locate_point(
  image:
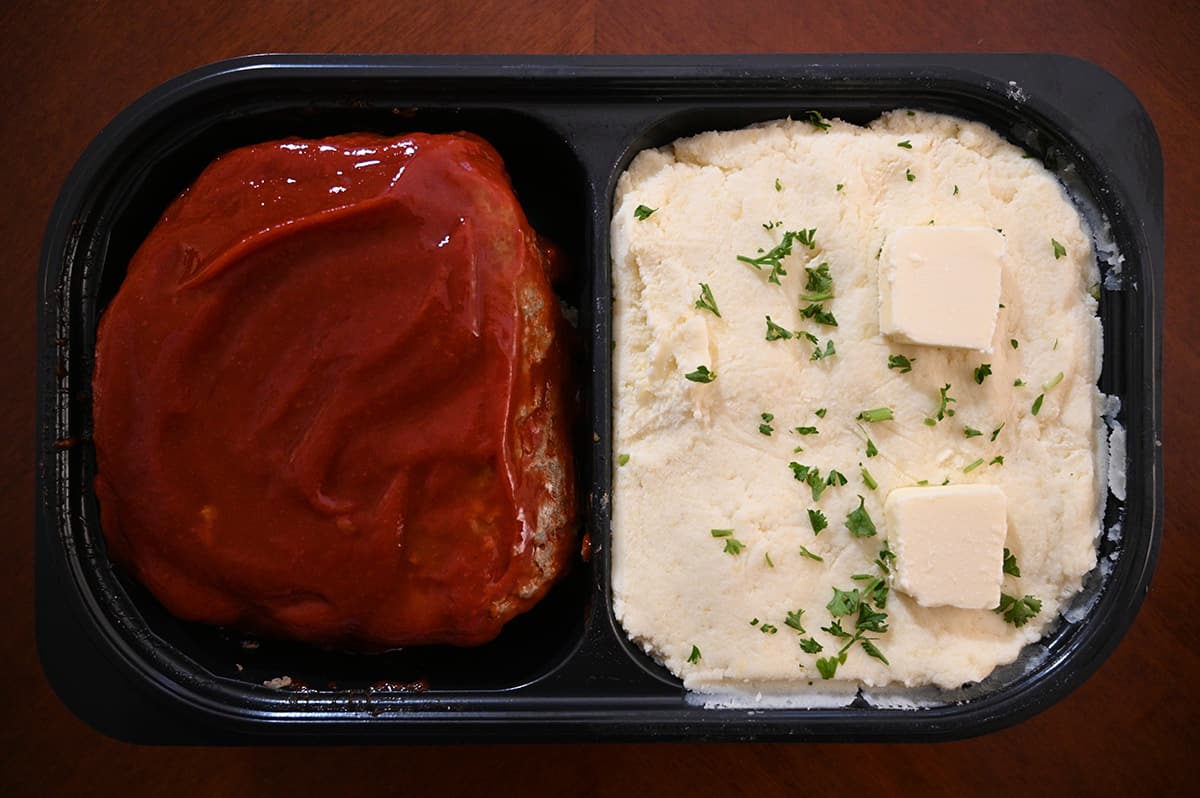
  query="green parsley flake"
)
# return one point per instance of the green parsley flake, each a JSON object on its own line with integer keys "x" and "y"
{"x": 821, "y": 355}
{"x": 875, "y": 415}
{"x": 767, "y": 557}
{"x": 955, "y": 190}
{"x": 768, "y": 629}
{"x": 765, "y": 428}
{"x": 818, "y": 314}
{"x": 643, "y": 212}
{"x": 820, "y": 412}
{"x": 815, "y": 119}
{"x": 1059, "y": 250}
{"x": 868, "y": 480}
{"x": 623, "y": 458}
{"x": 906, "y": 144}
{"x": 734, "y": 546}
{"x": 1037, "y": 404}
{"x": 971, "y": 432}
{"x": 807, "y": 431}
{"x": 701, "y": 374}
{"x": 694, "y": 657}
{"x": 996, "y": 431}
{"x": 827, "y": 667}
{"x": 908, "y": 175}
{"x": 1050, "y": 383}
{"x": 997, "y": 460}
{"x": 706, "y": 301}
{"x": 1018, "y": 383}
{"x": 840, "y": 186}
{"x": 976, "y": 464}
{"x": 1017, "y": 611}
{"x": 793, "y": 621}
{"x": 982, "y": 372}
{"x": 811, "y": 646}
{"x": 778, "y": 185}
{"x": 844, "y": 602}
{"x": 904, "y": 364}
{"x": 774, "y": 258}
{"x": 835, "y": 478}
{"x": 775, "y": 332}
{"x": 1013, "y": 342}
{"x": 1010, "y": 564}
{"x": 859, "y": 521}
{"x": 819, "y": 285}
{"x": 871, "y": 450}
{"x": 805, "y": 552}
{"x": 819, "y": 522}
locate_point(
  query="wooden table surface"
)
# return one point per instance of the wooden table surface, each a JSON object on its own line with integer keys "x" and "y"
{"x": 67, "y": 68}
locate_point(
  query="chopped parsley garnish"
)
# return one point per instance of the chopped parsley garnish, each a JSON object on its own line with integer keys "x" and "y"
{"x": 811, "y": 477}
{"x": 643, "y": 212}
{"x": 793, "y": 621}
{"x": 819, "y": 522}
{"x": 944, "y": 410}
{"x": 819, "y": 285}
{"x": 835, "y": 478}
{"x": 774, "y": 258}
{"x": 859, "y": 521}
{"x": 844, "y": 602}
{"x": 734, "y": 546}
{"x": 1010, "y": 564}
{"x": 1014, "y": 343}
{"x": 815, "y": 119}
{"x": 772, "y": 225}
{"x": 811, "y": 646}
{"x": 1094, "y": 291}
{"x": 1037, "y": 404}
{"x": 982, "y": 372}
{"x": 765, "y": 428}
{"x": 1059, "y": 250}
{"x": 805, "y": 552}
{"x": 820, "y": 412}
{"x": 886, "y": 559}
{"x": 807, "y": 237}
{"x": 868, "y": 480}
{"x": 623, "y": 458}
{"x": 827, "y": 666}
{"x": 906, "y": 144}
{"x": 829, "y": 351}
{"x": 701, "y": 374}
{"x": 1018, "y": 383}
{"x": 996, "y": 431}
{"x": 873, "y": 650}
{"x": 812, "y": 339}
{"x": 807, "y": 431}
{"x": 706, "y": 301}
{"x": 778, "y": 185}
{"x": 971, "y": 432}
{"x": 775, "y": 332}
{"x": 818, "y": 314}
{"x": 997, "y": 460}
{"x": 1018, "y": 611}
{"x": 840, "y": 186}
{"x": 1050, "y": 383}
{"x": 876, "y": 414}
{"x": 694, "y": 657}
{"x": 908, "y": 175}
{"x": 767, "y": 557}
{"x": 871, "y": 450}
{"x": 721, "y": 533}
{"x": 955, "y": 189}
{"x": 976, "y": 464}
{"x": 904, "y": 364}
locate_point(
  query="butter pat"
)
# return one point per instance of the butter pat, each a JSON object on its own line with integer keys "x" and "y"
{"x": 949, "y": 544}
{"x": 940, "y": 286}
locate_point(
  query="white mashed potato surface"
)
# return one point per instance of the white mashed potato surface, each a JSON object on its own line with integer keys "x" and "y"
{"x": 694, "y": 457}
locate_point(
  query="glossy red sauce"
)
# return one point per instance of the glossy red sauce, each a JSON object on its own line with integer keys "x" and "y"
{"x": 329, "y": 397}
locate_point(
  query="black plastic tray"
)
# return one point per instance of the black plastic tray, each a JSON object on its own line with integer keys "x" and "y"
{"x": 567, "y": 127}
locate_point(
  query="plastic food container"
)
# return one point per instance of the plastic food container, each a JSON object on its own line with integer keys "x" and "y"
{"x": 567, "y": 127}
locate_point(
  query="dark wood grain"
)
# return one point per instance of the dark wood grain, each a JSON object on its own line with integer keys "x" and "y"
{"x": 67, "y": 68}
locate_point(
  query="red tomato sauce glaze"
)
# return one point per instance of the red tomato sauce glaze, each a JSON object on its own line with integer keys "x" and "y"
{"x": 331, "y": 397}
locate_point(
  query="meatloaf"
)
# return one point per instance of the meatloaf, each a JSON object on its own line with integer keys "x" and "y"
{"x": 331, "y": 397}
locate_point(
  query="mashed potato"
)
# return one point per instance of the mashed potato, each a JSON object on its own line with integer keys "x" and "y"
{"x": 714, "y": 551}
